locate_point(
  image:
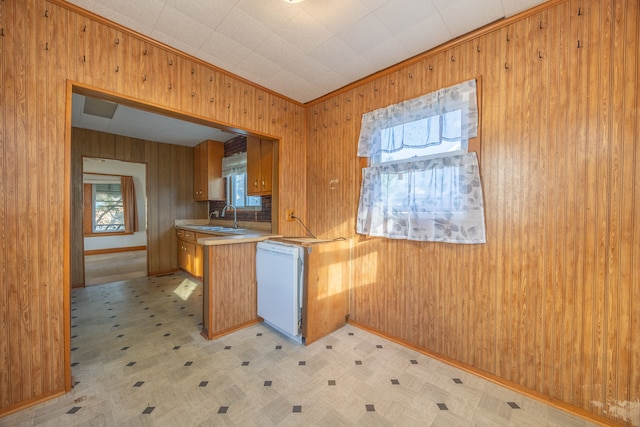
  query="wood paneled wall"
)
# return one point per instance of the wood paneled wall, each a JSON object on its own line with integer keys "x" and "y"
{"x": 169, "y": 193}
{"x": 550, "y": 303}
{"x": 45, "y": 45}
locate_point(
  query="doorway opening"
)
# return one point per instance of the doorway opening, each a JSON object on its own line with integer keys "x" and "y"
{"x": 114, "y": 220}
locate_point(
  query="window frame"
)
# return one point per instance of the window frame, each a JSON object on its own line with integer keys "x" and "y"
{"x": 88, "y": 215}
{"x": 230, "y": 195}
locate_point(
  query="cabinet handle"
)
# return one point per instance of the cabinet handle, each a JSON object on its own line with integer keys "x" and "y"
{"x": 262, "y": 182}
{"x": 255, "y": 183}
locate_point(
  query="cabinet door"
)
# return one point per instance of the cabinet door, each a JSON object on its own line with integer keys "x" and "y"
{"x": 199, "y": 172}
{"x": 253, "y": 166}
{"x": 182, "y": 255}
{"x": 198, "y": 261}
{"x": 215, "y": 182}
{"x": 266, "y": 166}
{"x": 259, "y": 166}
{"x": 190, "y": 253}
{"x": 208, "y": 183}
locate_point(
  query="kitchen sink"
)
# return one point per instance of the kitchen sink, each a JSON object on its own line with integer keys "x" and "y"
{"x": 217, "y": 228}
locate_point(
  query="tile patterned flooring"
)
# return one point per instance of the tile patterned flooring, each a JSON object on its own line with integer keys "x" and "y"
{"x": 139, "y": 360}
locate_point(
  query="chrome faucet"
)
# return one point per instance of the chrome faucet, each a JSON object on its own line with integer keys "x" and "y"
{"x": 235, "y": 217}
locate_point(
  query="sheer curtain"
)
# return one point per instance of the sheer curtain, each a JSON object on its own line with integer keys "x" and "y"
{"x": 234, "y": 165}
{"x": 129, "y": 202}
{"x": 428, "y": 198}
{"x": 420, "y": 122}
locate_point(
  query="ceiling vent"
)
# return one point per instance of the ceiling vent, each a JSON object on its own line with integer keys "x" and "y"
{"x": 100, "y": 108}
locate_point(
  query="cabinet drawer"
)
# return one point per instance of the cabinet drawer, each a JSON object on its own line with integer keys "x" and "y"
{"x": 187, "y": 235}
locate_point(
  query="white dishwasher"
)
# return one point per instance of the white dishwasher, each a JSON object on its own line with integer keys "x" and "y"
{"x": 279, "y": 272}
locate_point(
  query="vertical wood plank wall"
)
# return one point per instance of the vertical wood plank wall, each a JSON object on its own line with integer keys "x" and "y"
{"x": 169, "y": 192}
{"x": 550, "y": 303}
{"x": 44, "y": 45}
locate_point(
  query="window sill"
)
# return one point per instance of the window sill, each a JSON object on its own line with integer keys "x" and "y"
{"x": 109, "y": 234}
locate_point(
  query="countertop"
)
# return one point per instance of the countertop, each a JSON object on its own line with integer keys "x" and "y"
{"x": 223, "y": 235}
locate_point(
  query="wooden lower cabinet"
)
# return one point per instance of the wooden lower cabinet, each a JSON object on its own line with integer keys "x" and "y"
{"x": 327, "y": 281}
{"x": 229, "y": 289}
{"x": 189, "y": 253}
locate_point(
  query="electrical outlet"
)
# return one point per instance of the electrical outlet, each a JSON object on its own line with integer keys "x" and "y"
{"x": 290, "y": 215}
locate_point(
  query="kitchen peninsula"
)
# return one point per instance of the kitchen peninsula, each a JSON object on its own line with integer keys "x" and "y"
{"x": 229, "y": 275}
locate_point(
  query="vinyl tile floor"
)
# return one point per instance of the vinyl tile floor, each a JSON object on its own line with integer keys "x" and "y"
{"x": 139, "y": 360}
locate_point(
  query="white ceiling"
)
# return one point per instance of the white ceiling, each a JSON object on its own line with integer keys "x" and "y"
{"x": 304, "y": 50}
{"x": 144, "y": 125}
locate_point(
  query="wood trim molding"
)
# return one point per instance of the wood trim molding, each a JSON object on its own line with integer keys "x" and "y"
{"x": 115, "y": 250}
{"x": 574, "y": 410}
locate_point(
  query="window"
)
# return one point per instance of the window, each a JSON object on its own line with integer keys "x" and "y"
{"x": 109, "y": 205}
{"x": 237, "y": 193}
{"x": 108, "y": 208}
{"x": 234, "y": 168}
{"x": 421, "y": 184}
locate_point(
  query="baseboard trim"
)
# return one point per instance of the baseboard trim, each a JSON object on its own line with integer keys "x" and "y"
{"x": 12, "y": 409}
{"x": 566, "y": 407}
{"x": 115, "y": 250}
{"x": 211, "y": 336}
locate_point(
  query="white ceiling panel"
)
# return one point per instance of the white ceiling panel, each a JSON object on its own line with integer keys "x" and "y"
{"x": 433, "y": 29}
{"x": 402, "y": 14}
{"x": 360, "y": 37}
{"x": 184, "y": 28}
{"x": 243, "y": 28}
{"x": 336, "y": 15}
{"x": 207, "y": 12}
{"x": 382, "y": 52}
{"x": 334, "y": 51}
{"x": 228, "y": 50}
{"x": 272, "y": 14}
{"x": 304, "y": 32}
{"x": 465, "y": 14}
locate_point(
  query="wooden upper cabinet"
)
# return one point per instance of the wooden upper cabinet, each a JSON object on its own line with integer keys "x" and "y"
{"x": 259, "y": 166}
{"x": 208, "y": 183}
